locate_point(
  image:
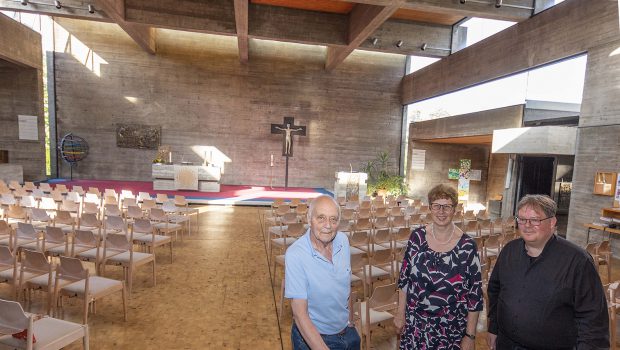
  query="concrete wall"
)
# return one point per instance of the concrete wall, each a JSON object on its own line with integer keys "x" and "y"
{"x": 19, "y": 44}
{"x": 439, "y": 158}
{"x": 21, "y": 93}
{"x": 598, "y": 140}
{"x": 470, "y": 124}
{"x": 200, "y": 94}
{"x": 498, "y": 165}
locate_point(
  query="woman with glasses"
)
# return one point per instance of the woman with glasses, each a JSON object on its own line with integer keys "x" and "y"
{"x": 440, "y": 282}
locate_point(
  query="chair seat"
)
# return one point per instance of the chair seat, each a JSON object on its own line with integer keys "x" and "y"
{"x": 167, "y": 227}
{"x": 277, "y": 230}
{"x": 375, "y": 315}
{"x": 149, "y": 239}
{"x": 380, "y": 246}
{"x": 7, "y": 274}
{"x": 280, "y": 241}
{"x": 99, "y": 286}
{"x": 355, "y": 251}
{"x": 29, "y": 244}
{"x": 90, "y": 254}
{"x": 41, "y": 280}
{"x": 57, "y": 249}
{"x": 138, "y": 258}
{"x": 51, "y": 333}
{"x": 375, "y": 272}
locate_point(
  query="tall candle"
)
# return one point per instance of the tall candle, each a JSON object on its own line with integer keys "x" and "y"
{"x": 169, "y": 157}
{"x": 271, "y": 160}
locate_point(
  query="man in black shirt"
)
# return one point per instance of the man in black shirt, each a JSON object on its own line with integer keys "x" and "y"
{"x": 544, "y": 292}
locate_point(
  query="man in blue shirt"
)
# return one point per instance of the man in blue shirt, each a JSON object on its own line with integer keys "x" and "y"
{"x": 318, "y": 280}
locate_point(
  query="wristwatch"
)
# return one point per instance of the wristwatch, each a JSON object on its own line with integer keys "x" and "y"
{"x": 470, "y": 336}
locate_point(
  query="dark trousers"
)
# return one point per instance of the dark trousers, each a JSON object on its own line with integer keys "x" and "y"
{"x": 348, "y": 339}
{"x": 505, "y": 343}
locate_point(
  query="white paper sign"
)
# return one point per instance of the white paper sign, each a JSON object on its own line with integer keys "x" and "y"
{"x": 28, "y": 129}
{"x": 418, "y": 158}
{"x": 618, "y": 188}
{"x": 475, "y": 175}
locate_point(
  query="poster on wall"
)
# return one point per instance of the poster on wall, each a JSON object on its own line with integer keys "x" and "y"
{"x": 463, "y": 189}
{"x": 617, "y": 198}
{"x": 418, "y": 158}
{"x": 27, "y": 125}
{"x": 453, "y": 174}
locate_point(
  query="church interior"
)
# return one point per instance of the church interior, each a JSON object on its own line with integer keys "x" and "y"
{"x": 215, "y": 123}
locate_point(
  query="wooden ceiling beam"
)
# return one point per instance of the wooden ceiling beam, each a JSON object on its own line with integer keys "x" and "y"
{"x": 241, "y": 22}
{"x": 264, "y": 22}
{"x": 468, "y": 9}
{"x": 364, "y": 19}
{"x": 143, "y": 35}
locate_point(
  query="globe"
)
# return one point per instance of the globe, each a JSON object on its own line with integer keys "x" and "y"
{"x": 73, "y": 148}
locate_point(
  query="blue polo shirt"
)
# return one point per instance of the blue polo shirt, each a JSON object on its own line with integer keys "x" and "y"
{"x": 326, "y": 286}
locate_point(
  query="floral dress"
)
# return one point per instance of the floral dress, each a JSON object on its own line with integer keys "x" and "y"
{"x": 441, "y": 289}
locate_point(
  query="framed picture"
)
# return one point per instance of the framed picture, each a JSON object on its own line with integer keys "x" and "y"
{"x": 138, "y": 136}
{"x": 605, "y": 183}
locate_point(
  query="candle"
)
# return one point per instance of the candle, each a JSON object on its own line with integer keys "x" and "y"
{"x": 169, "y": 157}
{"x": 271, "y": 160}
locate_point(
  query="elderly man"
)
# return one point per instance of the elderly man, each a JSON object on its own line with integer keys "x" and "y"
{"x": 318, "y": 280}
{"x": 544, "y": 292}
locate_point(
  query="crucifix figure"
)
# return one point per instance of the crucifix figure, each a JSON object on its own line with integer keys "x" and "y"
{"x": 288, "y": 129}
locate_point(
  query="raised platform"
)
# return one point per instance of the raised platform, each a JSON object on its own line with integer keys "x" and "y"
{"x": 228, "y": 194}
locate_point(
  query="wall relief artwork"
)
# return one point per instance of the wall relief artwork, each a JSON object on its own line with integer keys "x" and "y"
{"x": 138, "y": 136}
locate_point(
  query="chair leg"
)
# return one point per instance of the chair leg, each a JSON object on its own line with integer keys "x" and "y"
{"x": 154, "y": 278}
{"x": 86, "y": 340}
{"x": 281, "y": 300}
{"x": 124, "y": 302}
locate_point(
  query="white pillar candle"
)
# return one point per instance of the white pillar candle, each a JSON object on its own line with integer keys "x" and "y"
{"x": 271, "y": 160}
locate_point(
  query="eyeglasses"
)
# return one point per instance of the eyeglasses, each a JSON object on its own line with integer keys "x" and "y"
{"x": 333, "y": 220}
{"x": 438, "y": 207}
{"x": 533, "y": 222}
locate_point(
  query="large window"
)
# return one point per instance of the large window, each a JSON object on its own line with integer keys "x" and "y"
{"x": 559, "y": 82}
{"x": 473, "y": 30}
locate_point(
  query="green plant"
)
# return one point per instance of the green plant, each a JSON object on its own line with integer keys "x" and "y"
{"x": 381, "y": 177}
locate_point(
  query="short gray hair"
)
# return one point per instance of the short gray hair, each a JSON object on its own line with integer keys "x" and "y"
{"x": 539, "y": 201}
{"x": 314, "y": 200}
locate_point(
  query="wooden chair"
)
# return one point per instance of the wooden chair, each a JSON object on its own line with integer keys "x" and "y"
{"x": 73, "y": 280}
{"x": 378, "y": 309}
{"x": 118, "y": 251}
{"x": 50, "y": 333}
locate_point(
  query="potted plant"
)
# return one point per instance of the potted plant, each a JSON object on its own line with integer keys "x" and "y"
{"x": 382, "y": 179}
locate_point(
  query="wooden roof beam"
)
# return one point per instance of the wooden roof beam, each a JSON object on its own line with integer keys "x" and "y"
{"x": 363, "y": 21}
{"x": 143, "y": 35}
{"x": 470, "y": 8}
{"x": 241, "y": 21}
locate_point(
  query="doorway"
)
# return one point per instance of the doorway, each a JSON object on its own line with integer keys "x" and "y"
{"x": 536, "y": 175}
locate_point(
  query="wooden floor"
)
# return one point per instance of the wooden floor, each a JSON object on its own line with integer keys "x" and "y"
{"x": 217, "y": 294}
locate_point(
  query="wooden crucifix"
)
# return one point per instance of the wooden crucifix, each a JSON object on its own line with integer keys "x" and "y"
{"x": 288, "y": 129}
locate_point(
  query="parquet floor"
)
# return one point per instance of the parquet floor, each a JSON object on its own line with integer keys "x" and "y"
{"x": 217, "y": 294}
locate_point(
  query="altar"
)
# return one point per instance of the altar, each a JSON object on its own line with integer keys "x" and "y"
{"x": 11, "y": 172}
{"x": 174, "y": 177}
{"x": 350, "y": 184}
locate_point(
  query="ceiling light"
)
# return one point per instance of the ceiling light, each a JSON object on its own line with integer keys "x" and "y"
{"x": 399, "y": 43}
{"x": 91, "y": 9}
{"x": 498, "y": 3}
{"x": 25, "y": 2}
{"x": 374, "y": 41}
{"x": 57, "y": 4}
{"x": 424, "y": 46}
